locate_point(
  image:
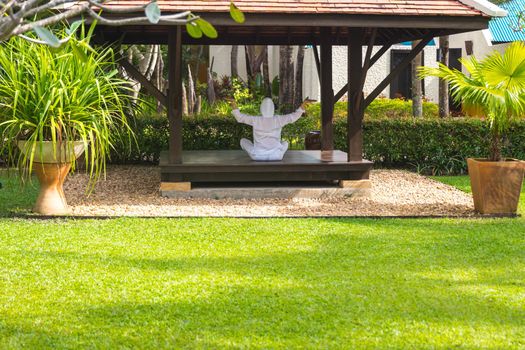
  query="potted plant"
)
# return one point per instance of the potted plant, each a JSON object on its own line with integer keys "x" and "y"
{"x": 496, "y": 86}
{"x": 56, "y": 104}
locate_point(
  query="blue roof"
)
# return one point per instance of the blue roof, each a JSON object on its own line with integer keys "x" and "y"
{"x": 409, "y": 43}
{"x": 503, "y": 28}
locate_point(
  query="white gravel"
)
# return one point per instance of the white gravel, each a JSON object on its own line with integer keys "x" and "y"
{"x": 133, "y": 191}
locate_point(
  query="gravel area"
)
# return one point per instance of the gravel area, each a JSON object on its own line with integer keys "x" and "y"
{"x": 133, "y": 191}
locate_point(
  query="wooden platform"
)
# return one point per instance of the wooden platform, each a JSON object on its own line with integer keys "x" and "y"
{"x": 236, "y": 166}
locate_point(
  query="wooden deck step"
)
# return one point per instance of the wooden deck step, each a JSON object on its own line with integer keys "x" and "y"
{"x": 236, "y": 166}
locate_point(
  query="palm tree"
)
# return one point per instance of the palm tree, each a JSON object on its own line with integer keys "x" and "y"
{"x": 417, "y": 86}
{"x": 495, "y": 84}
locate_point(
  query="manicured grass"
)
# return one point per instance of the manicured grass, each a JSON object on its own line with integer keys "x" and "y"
{"x": 461, "y": 182}
{"x": 13, "y": 196}
{"x": 278, "y": 283}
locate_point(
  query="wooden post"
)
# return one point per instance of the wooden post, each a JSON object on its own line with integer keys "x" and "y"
{"x": 175, "y": 94}
{"x": 327, "y": 93}
{"x": 355, "y": 96}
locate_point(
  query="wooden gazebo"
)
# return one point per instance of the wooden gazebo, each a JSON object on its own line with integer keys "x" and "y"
{"x": 354, "y": 23}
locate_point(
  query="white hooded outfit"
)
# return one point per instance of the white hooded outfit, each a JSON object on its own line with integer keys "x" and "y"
{"x": 267, "y": 145}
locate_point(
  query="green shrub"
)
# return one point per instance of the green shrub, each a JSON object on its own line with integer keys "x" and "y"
{"x": 391, "y": 137}
{"x": 433, "y": 146}
{"x": 381, "y": 108}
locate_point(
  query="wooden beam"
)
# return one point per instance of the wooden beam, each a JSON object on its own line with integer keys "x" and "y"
{"x": 317, "y": 62}
{"x": 148, "y": 85}
{"x": 366, "y": 63}
{"x": 402, "y": 65}
{"x": 341, "y": 93}
{"x": 175, "y": 94}
{"x": 379, "y": 54}
{"x": 327, "y": 92}
{"x": 373, "y": 61}
{"x": 245, "y": 35}
{"x": 355, "y": 97}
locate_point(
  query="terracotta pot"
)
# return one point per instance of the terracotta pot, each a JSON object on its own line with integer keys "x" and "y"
{"x": 44, "y": 151}
{"x": 496, "y": 186}
{"x": 51, "y": 168}
{"x": 51, "y": 199}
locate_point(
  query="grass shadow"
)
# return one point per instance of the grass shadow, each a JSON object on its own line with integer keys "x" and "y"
{"x": 282, "y": 284}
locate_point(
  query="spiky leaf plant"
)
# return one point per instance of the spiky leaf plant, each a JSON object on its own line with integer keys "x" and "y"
{"x": 72, "y": 93}
{"x": 496, "y": 85}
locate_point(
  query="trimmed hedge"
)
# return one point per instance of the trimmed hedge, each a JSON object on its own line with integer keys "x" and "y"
{"x": 381, "y": 108}
{"x": 432, "y": 146}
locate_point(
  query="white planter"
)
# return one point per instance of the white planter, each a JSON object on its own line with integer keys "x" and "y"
{"x": 44, "y": 151}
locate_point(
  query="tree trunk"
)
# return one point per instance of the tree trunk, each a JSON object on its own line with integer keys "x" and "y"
{"x": 266, "y": 74}
{"x": 285, "y": 79}
{"x": 152, "y": 61}
{"x": 198, "y": 105}
{"x": 254, "y": 60}
{"x": 417, "y": 93}
{"x": 191, "y": 92}
{"x": 233, "y": 61}
{"x": 184, "y": 100}
{"x": 444, "y": 109}
{"x": 160, "y": 82}
{"x": 210, "y": 90}
{"x": 198, "y": 62}
{"x": 136, "y": 86}
{"x": 298, "y": 93}
{"x": 149, "y": 60}
{"x": 248, "y": 66}
{"x": 495, "y": 144}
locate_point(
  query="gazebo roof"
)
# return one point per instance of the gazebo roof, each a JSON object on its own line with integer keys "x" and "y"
{"x": 351, "y": 7}
{"x": 299, "y": 22}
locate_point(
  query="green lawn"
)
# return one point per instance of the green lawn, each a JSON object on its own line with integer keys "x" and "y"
{"x": 277, "y": 283}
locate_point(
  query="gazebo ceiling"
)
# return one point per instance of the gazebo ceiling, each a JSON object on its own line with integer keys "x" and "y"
{"x": 274, "y": 22}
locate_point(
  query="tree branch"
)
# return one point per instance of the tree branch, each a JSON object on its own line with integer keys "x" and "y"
{"x": 136, "y": 20}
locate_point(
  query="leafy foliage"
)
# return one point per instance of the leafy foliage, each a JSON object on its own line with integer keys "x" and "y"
{"x": 495, "y": 84}
{"x": 69, "y": 94}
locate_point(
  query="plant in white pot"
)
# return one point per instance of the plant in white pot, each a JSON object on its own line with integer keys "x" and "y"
{"x": 56, "y": 104}
{"x": 496, "y": 86}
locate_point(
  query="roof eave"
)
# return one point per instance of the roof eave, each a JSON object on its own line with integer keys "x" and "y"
{"x": 486, "y": 7}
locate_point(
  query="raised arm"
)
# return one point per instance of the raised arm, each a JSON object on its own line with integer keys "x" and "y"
{"x": 243, "y": 118}
{"x": 290, "y": 118}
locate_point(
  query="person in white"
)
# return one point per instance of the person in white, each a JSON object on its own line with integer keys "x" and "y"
{"x": 267, "y": 144}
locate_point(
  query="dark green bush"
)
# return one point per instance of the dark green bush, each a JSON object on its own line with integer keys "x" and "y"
{"x": 435, "y": 146}
{"x": 381, "y": 108}
{"x": 430, "y": 145}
